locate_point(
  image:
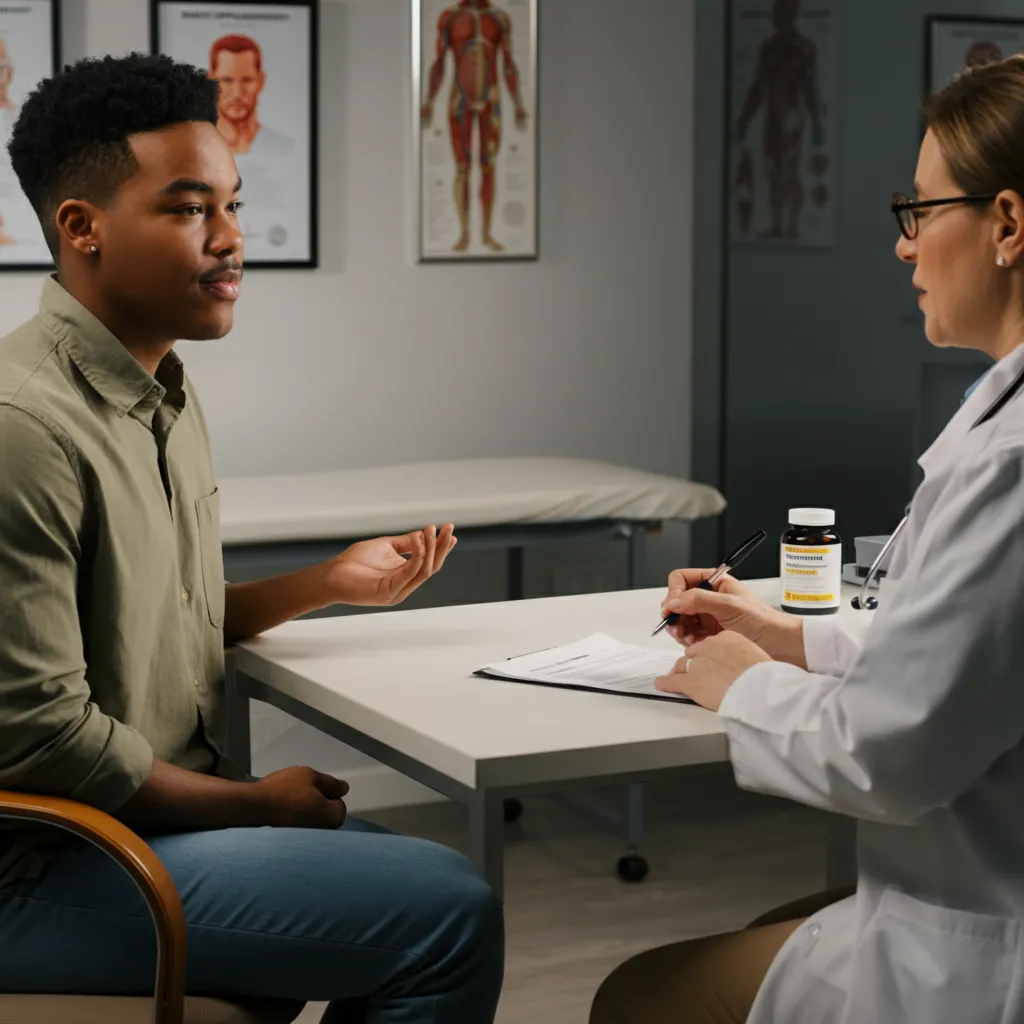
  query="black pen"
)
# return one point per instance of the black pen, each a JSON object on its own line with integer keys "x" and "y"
{"x": 731, "y": 560}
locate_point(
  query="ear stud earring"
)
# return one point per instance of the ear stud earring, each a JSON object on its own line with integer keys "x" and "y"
{"x": 1000, "y": 261}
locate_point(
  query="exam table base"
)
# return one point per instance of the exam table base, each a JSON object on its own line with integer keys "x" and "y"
{"x": 244, "y": 562}
{"x": 486, "y": 807}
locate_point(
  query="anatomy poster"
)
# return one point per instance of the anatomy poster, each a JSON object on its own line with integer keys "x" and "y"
{"x": 263, "y": 56}
{"x": 28, "y": 54}
{"x": 476, "y": 107}
{"x": 959, "y": 43}
{"x": 782, "y": 122}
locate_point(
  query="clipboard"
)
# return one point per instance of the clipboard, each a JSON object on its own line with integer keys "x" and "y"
{"x": 494, "y": 672}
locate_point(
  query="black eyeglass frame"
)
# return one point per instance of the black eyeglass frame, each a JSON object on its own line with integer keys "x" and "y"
{"x": 905, "y": 209}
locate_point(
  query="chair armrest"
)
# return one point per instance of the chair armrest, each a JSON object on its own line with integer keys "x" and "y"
{"x": 145, "y": 869}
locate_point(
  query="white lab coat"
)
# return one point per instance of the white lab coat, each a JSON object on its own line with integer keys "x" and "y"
{"x": 912, "y": 722}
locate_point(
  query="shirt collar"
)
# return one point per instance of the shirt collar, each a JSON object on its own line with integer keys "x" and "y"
{"x": 988, "y": 389}
{"x": 113, "y": 373}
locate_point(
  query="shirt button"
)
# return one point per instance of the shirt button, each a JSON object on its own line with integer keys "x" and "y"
{"x": 814, "y": 930}
{"x": 184, "y": 595}
{"x": 195, "y": 682}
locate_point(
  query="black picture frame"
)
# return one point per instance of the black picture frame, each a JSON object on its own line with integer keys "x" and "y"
{"x": 56, "y": 63}
{"x": 311, "y": 260}
{"x": 937, "y": 21}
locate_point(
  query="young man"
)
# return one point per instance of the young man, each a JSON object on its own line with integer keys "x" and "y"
{"x": 114, "y": 612}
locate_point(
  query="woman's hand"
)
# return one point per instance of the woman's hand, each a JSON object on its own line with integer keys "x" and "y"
{"x": 731, "y": 606}
{"x": 710, "y": 667}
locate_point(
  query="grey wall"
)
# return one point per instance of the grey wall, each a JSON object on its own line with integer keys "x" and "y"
{"x": 840, "y": 327}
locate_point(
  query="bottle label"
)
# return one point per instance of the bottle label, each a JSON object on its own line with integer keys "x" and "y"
{"x": 812, "y": 576}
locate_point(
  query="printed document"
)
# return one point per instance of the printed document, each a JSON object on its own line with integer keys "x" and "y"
{"x": 597, "y": 663}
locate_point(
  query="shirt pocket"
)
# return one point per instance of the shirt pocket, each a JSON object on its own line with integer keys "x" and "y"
{"x": 211, "y": 557}
{"x": 916, "y": 961}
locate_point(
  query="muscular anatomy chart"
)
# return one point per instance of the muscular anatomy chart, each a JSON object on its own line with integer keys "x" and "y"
{"x": 477, "y": 156}
{"x": 783, "y": 149}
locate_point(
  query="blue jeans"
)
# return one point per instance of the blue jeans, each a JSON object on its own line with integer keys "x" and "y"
{"x": 404, "y": 928}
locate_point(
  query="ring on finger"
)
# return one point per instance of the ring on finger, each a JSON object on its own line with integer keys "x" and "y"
{"x": 686, "y": 667}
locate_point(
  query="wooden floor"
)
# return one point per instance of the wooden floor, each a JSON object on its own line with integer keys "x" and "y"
{"x": 718, "y": 858}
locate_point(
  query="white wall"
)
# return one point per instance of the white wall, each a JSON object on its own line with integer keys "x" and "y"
{"x": 374, "y": 360}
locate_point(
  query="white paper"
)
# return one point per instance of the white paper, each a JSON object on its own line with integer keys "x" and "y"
{"x": 599, "y": 662}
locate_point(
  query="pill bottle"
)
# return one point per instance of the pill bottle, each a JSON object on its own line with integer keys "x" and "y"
{"x": 811, "y": 563}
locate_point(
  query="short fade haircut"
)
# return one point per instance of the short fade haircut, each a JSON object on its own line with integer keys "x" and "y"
{"x": 71, "y": 138}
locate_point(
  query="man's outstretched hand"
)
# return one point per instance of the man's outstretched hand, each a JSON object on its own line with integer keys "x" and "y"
{"x": 385, "y": 571}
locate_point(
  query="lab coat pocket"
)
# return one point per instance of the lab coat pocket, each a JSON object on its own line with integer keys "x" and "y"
{"x": 210, "y": 556}
{"x": 919, "y": 962}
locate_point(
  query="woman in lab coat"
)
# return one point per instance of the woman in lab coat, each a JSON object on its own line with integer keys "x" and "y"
{"x": 914, "y": 723}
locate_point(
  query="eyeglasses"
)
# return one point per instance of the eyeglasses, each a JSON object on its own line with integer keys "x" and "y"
{"x": 906, "y": 209}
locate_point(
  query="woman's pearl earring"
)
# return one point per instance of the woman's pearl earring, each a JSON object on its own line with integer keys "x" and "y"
{"x": 1000, "y": 261}
{"x": 95, "y": 249}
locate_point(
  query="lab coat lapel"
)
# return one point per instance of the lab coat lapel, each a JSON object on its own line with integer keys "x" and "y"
{"x": 944, "y": 449}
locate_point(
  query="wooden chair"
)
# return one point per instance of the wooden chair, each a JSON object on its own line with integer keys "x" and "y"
{"x": 169, "y": 1004}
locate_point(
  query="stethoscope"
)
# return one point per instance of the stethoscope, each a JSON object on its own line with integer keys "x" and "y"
{"x": 864, "y": 603}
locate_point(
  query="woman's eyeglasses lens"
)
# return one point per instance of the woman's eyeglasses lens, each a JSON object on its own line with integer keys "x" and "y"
{"x": 905, "y": 216}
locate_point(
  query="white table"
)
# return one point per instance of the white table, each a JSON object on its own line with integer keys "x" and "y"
{"x": 399, "y": 687}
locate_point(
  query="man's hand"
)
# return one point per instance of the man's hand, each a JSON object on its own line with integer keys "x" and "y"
{"x": 731, "y": 606}
{"x": 378, "y": 572}
{"x": 386, "y": 571}
{"x": 302, "y": 798}
{"x": 710, "y": 667}
{"x": 173, "y": 799}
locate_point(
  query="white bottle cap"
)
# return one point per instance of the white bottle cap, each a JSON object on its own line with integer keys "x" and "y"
{"x": 812, "y": 516}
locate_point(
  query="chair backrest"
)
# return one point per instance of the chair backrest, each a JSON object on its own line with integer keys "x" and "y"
{"x": 143, "y": 867}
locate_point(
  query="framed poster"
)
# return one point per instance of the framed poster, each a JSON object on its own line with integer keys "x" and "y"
{"x": 784, "y": 59}
{"x": 475, "y": 111}
{"x": 263, "y": 53}
{"x": 29, "y": 52}
{"x": 955, "y": 43}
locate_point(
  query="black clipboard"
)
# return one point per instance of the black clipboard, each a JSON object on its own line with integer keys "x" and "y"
{"x": 483, "y": 673}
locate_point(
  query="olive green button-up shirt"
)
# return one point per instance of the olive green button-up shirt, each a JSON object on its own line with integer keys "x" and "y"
{"x": 111, "y": 575}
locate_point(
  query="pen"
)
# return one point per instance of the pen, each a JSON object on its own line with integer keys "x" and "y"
{"x": 732, "y": 559}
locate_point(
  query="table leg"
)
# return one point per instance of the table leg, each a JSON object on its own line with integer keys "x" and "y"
{"x": 840, "y": 851}
{"x": 637, "y": 538}
{"x": 634, "y": 816}
{"x": 516, "y": 586}
{"x": 237, "y": 746}
{"x": 487, "y": 838}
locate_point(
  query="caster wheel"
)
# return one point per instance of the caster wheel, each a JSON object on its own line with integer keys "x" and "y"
{"x": 632, "y": 867}
{"x": 513, "y": 809}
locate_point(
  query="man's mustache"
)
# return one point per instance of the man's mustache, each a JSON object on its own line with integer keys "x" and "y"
{"x": 229, "y": 270}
